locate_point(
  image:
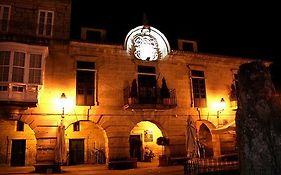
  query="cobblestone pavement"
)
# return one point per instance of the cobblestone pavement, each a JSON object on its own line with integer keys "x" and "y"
{"x": 144, "y": 168}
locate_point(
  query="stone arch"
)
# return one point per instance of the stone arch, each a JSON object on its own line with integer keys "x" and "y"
{"x": 146, "y": 133}
{"x": 209, "y": 140}
{"x": 10, "y": 134}
{"x": 95, "y": 139}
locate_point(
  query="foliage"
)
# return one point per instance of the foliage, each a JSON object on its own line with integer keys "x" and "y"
{"x": 165, "y": 92}
{"x": 232, "y": 93}
{"x": 134, "y": 90}
{"x": 163, "y": 141}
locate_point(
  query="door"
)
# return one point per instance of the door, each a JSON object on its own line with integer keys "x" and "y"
{"x": 147, "y": 89}
{"x": 136, "y": 147}
{"x": 76, "y": 151}
{"x": 18, "y": 152}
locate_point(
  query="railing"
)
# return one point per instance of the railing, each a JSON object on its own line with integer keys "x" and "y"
{"x": 18, "y": 94}
{"x": 198, "y": 166}
{"x": 148, "y": 97}
{"x": 26, "y": 31}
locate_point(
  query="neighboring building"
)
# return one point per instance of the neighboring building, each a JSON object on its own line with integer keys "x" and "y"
{"x": 102, "y": 111}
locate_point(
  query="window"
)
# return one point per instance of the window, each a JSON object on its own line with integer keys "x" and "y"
{"x": 85, "y": 83}
{"x": 24, "y": 67}
{"x": 4, "y": 65}
{"x": 76, "y": 126}
{"x": 18, "y": 67}
{"x": 147, "y": 84}
{"x": 4, "y": 17}
{"x": 198, "y": 88}
{"x": 45, "y": 22}
{"x": 35, "y": 63}
{"x": 20, "y": 126}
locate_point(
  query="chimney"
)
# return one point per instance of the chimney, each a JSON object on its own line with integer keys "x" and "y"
{"x": 187, "y": 45}
{"x": 93, "y": 34}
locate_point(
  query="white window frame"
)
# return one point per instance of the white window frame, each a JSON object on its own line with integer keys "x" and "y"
{"x": 18, "y": 66}
{"x": 95, "y": 83}
{"x": 7, "y": 66}
{"x": 34, "y": 68}
{"x": 27, "y": 49}
{"x": 192, "y": 88}
{"x": 1, "y": 17}
{"x": 45, "y": 23}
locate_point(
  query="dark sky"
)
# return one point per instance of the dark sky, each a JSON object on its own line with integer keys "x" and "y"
{"x": 229, "y": 27}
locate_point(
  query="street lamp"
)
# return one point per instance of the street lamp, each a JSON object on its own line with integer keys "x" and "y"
{"x": 221, "y": 107}
{"x": 63, "y": 103}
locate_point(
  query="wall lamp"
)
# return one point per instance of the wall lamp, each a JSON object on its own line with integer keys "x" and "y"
{"x": 221, "y": 107}
{"x": 63, "y": 103}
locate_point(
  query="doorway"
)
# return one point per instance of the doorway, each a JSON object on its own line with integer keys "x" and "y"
{"x": 18, "y": 153}
{"x": 205, "y": 138}
{"x": 76, "y": 151}
{"x": 135, "y": 147}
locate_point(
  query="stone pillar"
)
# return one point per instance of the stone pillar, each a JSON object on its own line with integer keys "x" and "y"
{"x": 258, "y": 121}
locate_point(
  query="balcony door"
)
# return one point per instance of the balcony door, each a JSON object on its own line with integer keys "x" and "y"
{"x": 147, "y": 85}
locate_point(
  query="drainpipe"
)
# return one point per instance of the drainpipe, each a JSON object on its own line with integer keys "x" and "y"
{"x": 191, "y": 87}
{"x": 88, "y": 114}
{"x": 199, "y": 115}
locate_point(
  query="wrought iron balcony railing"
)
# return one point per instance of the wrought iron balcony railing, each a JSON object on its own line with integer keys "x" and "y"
{"x": 149, "y": 98}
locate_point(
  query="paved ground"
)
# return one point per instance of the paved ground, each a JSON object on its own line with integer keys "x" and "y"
{"x": 144, "y": 168}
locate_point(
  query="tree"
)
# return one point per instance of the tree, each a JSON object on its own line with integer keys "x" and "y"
{"x": 258, "y": 121}
{"x": 134, "y": 90}
{"x": 133, "y": 93}
{"x": 165, "y": 93}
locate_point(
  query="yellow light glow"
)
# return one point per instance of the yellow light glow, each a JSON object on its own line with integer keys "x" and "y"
{"x": 219, "y": 105}
{"x": 65, "y": 103}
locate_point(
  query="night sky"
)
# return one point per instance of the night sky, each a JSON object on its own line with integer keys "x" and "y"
{"x": 229, "y": 28}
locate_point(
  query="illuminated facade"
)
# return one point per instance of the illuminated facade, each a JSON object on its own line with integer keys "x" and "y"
{"x": 102, "y": 110}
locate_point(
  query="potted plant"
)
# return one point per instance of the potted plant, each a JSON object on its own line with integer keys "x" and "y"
{"x": 165, "y": 92}
{"x": 163, "y": 141}
{"x": 133, "y": 93}
{"x": 148, "y": 154}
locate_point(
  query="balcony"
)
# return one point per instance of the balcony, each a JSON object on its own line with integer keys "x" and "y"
{"x": 18, "y": 95}
{"x": 26, "y": 31}
{"x": 149, "y": 98}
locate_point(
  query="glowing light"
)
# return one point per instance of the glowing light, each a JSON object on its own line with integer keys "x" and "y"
{"x": 64, "y": 103}
{"x": 219, "y": 106}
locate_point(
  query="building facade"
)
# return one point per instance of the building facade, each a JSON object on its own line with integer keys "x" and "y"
{"x": 112, "y": 100}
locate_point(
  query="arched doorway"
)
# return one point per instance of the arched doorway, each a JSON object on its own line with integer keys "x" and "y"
{"x": 86, "y": 142}
{"x": 205, "y": 139}
{"x": 18, "y": 143}
{"x": 143, "y": 137}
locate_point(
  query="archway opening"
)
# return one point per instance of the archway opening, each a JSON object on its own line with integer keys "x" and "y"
{"x": 86, "y": 142}
{"x": 205, "y": 139}
{"x": 18, "y": 143}
{"x": 143, "y": 141}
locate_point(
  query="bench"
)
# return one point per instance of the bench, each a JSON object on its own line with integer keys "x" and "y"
{"x": 122, "y": 164}
{"x": 47, "y": 168}
{"x": 177, "y": 160}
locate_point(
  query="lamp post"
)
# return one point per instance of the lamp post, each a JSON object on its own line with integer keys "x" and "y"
{"x": 221, "y": 107}
{"x": 60, "y": 145}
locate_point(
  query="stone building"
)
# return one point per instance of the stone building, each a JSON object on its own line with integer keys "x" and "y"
{"x": 101, "y": 109}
